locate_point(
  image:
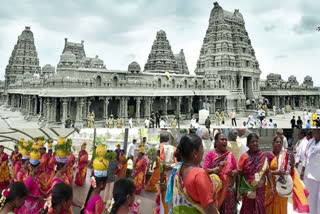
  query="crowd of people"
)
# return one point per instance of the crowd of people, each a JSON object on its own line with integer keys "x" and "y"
{"x": 214, "y": 173}
{"x": 34, "y": 181}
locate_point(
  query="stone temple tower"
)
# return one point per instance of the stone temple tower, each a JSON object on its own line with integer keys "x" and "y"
{"x": 24, "y": 58}
{"x": 161, "y": 58}
{"x": 227, "y": 52}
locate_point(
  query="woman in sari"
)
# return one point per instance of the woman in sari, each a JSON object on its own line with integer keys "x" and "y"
{"x": 153, "y": 183}
{"x": 13, "y": 198}
{"x": 33, "y": 203}
{"x": 50, "y": 165}
{"x": 278, "y": 162}
{"x": 94, "y": 202}
{"x": 60, "y": 201}
{"x": 43, "y": 166}
{"x": 187, "y": 176}
{"x": 82, "y": 166}
{"x": 123, "y": 165}
{"x": 15, "y": 160}
{"x": 253, "y": 168}
{"x": 4, "y": 169}
{"x": 222, "y": 162}
{"x": 140, "y": 164}
{"x": 123, "y": 196}
{"x": 23, "y": 173}
{"x": 71, "y": 161}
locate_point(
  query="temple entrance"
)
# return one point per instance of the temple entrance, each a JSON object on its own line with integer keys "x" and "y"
{"x": 157, "y": 105}
{"x": 38, "y": 106}
{"x": 247, "y": 87}
{"x": 195, "y": 104}
{"x": 184, "y": 106}
{"x": 131, "y": 107}
{"x": 73, "y": 110}
{"x": 58, "y": 110}
{"x": 98, "y": 108}
{"x": 113, "y": 107}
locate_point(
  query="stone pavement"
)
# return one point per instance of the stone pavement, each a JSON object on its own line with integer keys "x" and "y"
{"x": 148, "y": 200}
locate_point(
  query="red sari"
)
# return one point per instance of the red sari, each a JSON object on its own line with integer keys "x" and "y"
{"x": 71, "y": 161}
{"x": 50, "y": 168}
{"x": 225, "y": 197}
{"x": 82, "y": 168}
{"x": 4, "y": 169}
{"x": 140, "y": 174}
{"x": 250, "y": 165}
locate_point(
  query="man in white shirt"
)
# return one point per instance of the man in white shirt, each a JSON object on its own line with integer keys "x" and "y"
{"x": 233, "y": 118}
{"x": 284, "y": 139}
{"x": 301, "y": 146}
{"x": 311, "y": 172}
{"x": 306, "y": 117}
{"x": 162, "y": 124}
{"x": 146, "y": 123}
{"x": 193, "y": 121}
{"x": 130, "y": 149}
{"x": 243, "y": 139}
{"x": 274, "y": 110}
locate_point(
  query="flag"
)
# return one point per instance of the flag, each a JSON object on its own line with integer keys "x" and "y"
{"x": 167, "y": 74}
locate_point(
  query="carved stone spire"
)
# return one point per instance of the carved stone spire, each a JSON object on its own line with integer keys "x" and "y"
{"x": 182, "y": 64}
{"x": 161, "y": 58}
{"x": 23, "y": 59}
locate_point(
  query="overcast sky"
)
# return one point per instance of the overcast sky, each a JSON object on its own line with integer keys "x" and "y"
{"x": 283, "y": 33}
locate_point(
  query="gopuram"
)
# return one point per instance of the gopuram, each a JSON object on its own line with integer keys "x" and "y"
{"x": 227, "y": 77}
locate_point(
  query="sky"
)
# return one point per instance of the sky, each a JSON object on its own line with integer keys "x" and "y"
{"x": 283, "y": 33}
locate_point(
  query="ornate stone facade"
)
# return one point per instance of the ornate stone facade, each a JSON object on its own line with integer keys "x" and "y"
{"x": 227, "y": 77}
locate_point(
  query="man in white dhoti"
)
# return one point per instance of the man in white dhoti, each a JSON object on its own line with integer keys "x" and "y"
{"x": 300, "y": 148}
{"x": 274, "y": 110}
{"x": 311, "y": 172}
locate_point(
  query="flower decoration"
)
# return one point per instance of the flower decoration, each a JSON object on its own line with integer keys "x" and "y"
{"x": 48, "y": 204}
{"x": 111, "y": 202}
{"x": 93, "y": 182}
{"x": 6, "y": 193}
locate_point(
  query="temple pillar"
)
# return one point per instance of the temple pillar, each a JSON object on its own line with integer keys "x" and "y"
{"x": 44, "y": 110}
{"x": 178, "y": 106}
{"x": 138, "y": 102}
{"x": 106, "y": 105}
{"x": 190, "y": 110}
{"x": 165, "y": 111}
{"x": 40, "y": 111}
{"x": 48, "y": 110}
{"x": 200, "y": 103}
{"x": 212, "y": 106}
{"x": 29, "y": 105}
{"x": 81, "y": 111}
{"x": 126, "y": 109}
{"x": 64, "y": 110}
{"x": 147, "y": 107}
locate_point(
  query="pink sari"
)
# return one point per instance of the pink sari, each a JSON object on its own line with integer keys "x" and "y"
{"x": 95, "y": 205}
{"x": 31, "y": 205}
{"x": 21, "y": 176}
{"x": 225, "y": 197}
{"x": 82, "y": 168}
{"x": 71, "y": 161}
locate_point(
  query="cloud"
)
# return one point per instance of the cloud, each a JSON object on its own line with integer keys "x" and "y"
{"x": 122, "y": 31}
{"x": 307, "y": 24}
{"x": 269, "y": 28}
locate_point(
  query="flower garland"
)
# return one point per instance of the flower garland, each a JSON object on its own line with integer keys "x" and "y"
{"x": 4, "y": 195}
{"x": 93, "y": 182}
{"x": 48, "y": 204}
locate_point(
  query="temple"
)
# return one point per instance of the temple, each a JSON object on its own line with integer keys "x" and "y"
{"x": 227, "y": 77}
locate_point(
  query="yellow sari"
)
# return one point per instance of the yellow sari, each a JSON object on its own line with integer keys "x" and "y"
{"x": 152, "y": 185}
{"x": 279, "y": 204}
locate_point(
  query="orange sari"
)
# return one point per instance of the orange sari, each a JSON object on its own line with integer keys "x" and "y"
{"x": 152, "y": 185}
{"x": 42, "y": 173}
{"x": 82, "y": 168}
{"x": 123, "y": 166}
{"x": 278, "y": 205}
{"x": 140, "y": 174}
{"x": 50, "y": 168}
